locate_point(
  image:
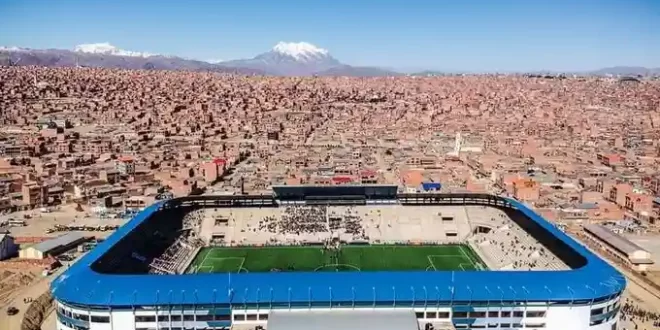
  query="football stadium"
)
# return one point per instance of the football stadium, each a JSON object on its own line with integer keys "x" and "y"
{"x": 339, "y": 257}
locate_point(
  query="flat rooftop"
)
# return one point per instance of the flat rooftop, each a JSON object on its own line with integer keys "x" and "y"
{"x": 614, "y": 239}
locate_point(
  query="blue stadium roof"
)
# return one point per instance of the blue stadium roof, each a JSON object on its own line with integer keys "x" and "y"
{"x": 81, "y": 285}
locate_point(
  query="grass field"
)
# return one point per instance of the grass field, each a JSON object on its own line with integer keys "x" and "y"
{"x": 348, "y": 258}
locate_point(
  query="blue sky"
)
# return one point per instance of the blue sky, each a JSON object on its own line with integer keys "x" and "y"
{"x": 474, "y": 35}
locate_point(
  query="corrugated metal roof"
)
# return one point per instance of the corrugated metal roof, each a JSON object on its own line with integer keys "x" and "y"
{"x": 597, "y": 279}
{"x": 619, "y": 242}
{"x": 344, "y": 320}
{"x": 63, "y": 240}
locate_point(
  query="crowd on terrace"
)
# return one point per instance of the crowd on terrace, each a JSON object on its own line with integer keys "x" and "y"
{"x": 304, "y": 219}
{"x": 352, "y": 223}
{"x": 631, "y": 312}
{"x": 507, "y": 246}
{"x": 314, "y": 219}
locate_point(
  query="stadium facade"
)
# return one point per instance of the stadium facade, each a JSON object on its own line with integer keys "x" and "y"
{"x": 110, "y": 289}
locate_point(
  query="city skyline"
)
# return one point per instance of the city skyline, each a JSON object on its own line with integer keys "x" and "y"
{"x": 406, "y": 36}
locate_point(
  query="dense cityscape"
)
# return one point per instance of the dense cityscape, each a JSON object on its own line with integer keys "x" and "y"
{"x": 106, "y": 137}
{"x": 82, "y": 148}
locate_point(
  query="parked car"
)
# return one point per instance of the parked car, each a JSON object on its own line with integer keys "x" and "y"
{"x": 12, "y": 311}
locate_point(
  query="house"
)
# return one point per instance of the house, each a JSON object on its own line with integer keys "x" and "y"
{"x": 52, "y": 247}
{"x": 619, "y": 246}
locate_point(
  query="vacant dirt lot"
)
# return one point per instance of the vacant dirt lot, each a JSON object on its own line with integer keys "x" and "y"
{"x": 13, "y": 280}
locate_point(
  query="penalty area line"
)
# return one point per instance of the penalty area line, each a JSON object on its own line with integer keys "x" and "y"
{"x": 431, "y": 262}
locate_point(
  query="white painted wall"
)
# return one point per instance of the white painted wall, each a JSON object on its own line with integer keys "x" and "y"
{"x": 568, "y": 318}
{"x": 120, "y": 320}
{"x": 557, "y": 317}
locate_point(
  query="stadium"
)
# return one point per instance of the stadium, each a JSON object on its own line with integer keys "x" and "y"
{"x": 342, "y": 257}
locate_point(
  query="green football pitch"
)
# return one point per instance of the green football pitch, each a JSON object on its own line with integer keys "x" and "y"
{"x": 348, "y": 258}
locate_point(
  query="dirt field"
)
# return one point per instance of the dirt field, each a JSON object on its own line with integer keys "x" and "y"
{"x": 37, "y": 287}
{"x": 50, "y": 323}
{"x": 38, "y": 222}
{"x": 14, "y": 280}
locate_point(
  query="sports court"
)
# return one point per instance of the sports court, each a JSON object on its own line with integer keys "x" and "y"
{"x": 346, "y": 258}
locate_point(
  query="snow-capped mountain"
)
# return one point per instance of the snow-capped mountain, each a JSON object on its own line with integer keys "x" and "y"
{"x": 304, "y": 59}
{"x": 301, "y": 51}
{"x": 290, "y": 59}
{"x": 12, "y": 49}
{"x": 106, "y": 48}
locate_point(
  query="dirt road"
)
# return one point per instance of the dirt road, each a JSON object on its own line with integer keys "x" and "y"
{"x": 33, "y": 291}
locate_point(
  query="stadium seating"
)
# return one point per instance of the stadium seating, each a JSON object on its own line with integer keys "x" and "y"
{"x": 507, "y": 245}
{"x": 173, "y": 239}
{"x": 134, "y": 253}
{"x": 174, "y": 260}
{"x": 176, "y": 236}
{"x": 491, "y": 231}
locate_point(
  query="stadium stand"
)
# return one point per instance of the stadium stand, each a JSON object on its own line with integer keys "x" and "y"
{"x": 177, "y": 257}
{"x": 135, "y": 253}
{"x": 502, "y": 243}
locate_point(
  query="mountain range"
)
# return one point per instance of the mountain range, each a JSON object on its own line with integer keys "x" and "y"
{"x": 284, "y": 59}
{"x": 106, "y": 56}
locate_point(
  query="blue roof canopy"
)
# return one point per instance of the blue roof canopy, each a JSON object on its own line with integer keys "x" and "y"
{"x": 82, "y": 285}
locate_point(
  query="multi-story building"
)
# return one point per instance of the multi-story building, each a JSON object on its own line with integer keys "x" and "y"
{"x": 35, "y": 194}
{"x": 126, "y": 166}
{"x": 526, "y": 190}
